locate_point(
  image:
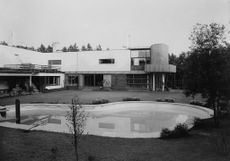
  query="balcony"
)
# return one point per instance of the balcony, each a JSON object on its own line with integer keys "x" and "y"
{"x": 137, "y": 67}
{"x": 28, "y": 67}
{"x": 167, "y": 68}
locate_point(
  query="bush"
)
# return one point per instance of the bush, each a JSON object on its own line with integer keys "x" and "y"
{"x": 131, "y": 99}
{"x": 165, "y": 100}
{"x": 102, "y": 101}
{"x": 165, "y": 133}
{"x": 159, "y": 100}
{"x": 181, "y": 130}
{"x": 198, "y": 103}
{"x": 169, "y": 100}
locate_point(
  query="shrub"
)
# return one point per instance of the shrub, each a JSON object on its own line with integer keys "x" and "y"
{"x": 165, "y": 133}
{"x": 131, "y": 99}
{"x": 169, "y": 100}
{"x": 159, "y": 100}
{"x": 102, "y": 101}
{"x": 195, "y": 102}
{"x": 181, "y": 130}
{"x": 165, "y": 100}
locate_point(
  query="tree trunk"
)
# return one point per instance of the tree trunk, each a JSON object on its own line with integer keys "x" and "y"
{"x": 215, "y": 108}
{"x": 76, "y": 148}
{"x": 76, "y": 153}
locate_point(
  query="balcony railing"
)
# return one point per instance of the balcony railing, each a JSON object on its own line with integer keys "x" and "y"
{"x": 160, "y": 68}
{"x": 137, "y": 67}
{"x": 32, "y": 67}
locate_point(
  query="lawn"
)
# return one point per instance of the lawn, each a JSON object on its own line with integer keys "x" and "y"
{"x": 88, "y": 96}
{"x": 208, "y": 144}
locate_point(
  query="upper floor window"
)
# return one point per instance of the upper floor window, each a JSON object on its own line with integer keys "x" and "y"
{"x": 106, "y": 61}
{"x": 54, "y": 62}
{"x": 140, "y": 53}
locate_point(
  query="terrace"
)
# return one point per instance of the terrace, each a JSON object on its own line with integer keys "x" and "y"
{"x": 24, "y": 78}
{"x": 29, "y": 68}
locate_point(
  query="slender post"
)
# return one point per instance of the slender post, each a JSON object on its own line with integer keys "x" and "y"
{"x": 30, "y": 80}
{"x": 17, "y": 109}
{"x": 163, "y": 82}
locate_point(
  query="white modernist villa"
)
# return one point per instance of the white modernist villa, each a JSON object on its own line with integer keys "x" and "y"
{"x": 144, "y": 68}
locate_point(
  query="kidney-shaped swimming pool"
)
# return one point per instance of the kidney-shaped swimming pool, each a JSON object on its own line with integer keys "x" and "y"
{"x": 144, "y": 119}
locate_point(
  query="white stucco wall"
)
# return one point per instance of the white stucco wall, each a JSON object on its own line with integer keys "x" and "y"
{"x": 89, "y": 60}
{"x": 68, "y": 60}
{"x": 11, "y": 55}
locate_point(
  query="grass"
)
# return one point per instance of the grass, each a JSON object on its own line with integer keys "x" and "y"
{"x": 87, "y": 97}
{"x": 38, "y": 146}
{"x": 201, "y": 145}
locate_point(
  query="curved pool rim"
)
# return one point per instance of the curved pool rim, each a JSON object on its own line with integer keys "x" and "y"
{"x": 92, "y": 107}
{"x": 110, "y": 108}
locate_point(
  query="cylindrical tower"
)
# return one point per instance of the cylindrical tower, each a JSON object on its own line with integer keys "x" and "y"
{"x": 159, "y": 54}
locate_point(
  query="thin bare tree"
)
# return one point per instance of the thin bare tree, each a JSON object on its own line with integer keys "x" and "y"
{"x": 76, "y": 119}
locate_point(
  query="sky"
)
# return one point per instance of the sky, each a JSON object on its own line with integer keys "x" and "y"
{"x": 111, "y": 23}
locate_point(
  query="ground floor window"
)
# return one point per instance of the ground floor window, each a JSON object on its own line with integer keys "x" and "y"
{"x": 138, "y": 80}
{"x": 52, "y": 80}
{"x": 93, "y": 79}
{"x": 72, "y": 80}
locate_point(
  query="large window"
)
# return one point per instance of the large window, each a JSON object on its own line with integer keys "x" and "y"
{"x": 72, "y": 80}
{"x": 93, "y": 80}
{"x": 137, "y": 80}
{"x": 53, "y": 80}
{"x": 106, "y": 61}
{"x": 139, "y": 58}
{"x": 140, "y": 53}
{"x": 54, "y": 62}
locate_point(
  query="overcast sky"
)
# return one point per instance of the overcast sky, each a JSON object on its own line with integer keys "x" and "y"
{"x": 108, "y": 22}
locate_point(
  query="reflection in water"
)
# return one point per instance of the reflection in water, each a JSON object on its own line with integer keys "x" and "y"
{"x": 121, "y": 124}
{"x": 119, "y": 120}
{"x": 133, "y": 123}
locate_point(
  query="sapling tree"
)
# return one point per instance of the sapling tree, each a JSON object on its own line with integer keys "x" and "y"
{"x": 76, "y": 118}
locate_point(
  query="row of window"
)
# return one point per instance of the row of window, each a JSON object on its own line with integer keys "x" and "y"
{"x": 134, "y": 61}
{"x": 54, "y": 62}
{"x": 101, "y": 61}
{"x": 137, "y": 80}
{"x": 138, "y": 57}
{"x": 52, "y": 80}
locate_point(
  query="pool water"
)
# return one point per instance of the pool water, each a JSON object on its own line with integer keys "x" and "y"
{"x": 124, "y": 119}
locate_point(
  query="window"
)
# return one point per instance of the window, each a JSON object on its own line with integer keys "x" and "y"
{"x": 72, "y": 80}
{"x": 53, "y": 80}
{"x": 140, "y": 53}
{"x": 137, "y": 80}
{"x": 139, "y": 58}
{"x": 106, "y": 61}
{"x": 54, "y": 62}
{"x": 93, "y": 80}
{"x": 106, "y": 125}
